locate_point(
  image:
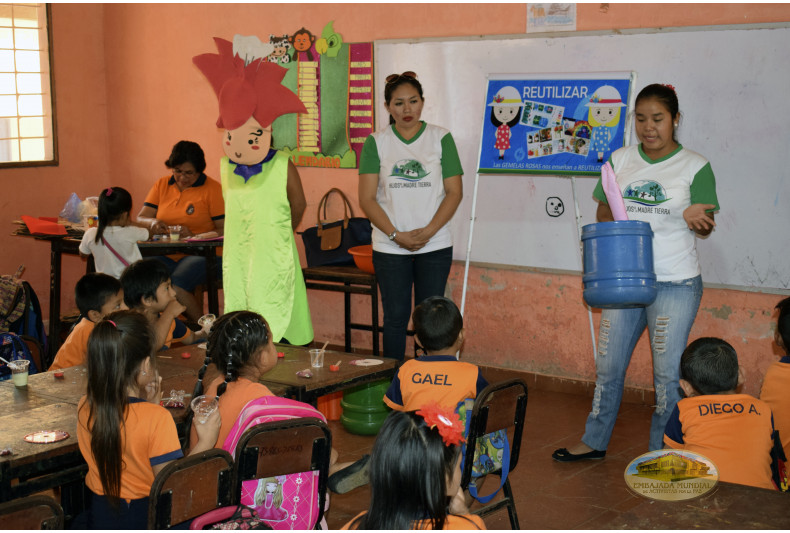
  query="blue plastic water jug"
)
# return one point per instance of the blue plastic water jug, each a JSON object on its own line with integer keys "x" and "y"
{"x": 618, "y": 264}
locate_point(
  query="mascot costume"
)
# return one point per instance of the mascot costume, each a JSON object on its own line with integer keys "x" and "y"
{"x": 260, "y": 264}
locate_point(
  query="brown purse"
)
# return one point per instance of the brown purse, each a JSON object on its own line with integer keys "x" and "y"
{"x": 331, "y": 233}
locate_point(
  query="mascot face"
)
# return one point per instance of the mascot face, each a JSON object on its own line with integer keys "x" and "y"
{"x": 247, "y": 144}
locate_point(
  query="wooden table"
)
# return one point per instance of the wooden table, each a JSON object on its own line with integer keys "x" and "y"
{"x": 728, "y": 506}
{"x": 50, "y": 403}
{"x": 60, "y": 245}
{"x": 324, "y": 381}
{"x": 348, "y": 280}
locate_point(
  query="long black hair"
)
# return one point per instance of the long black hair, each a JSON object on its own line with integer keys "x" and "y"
{"x": 409, "y": 468}
{"x": 113, "y": 203}
{"x": 117, "y": 347}
{"x": 235, "y": 339}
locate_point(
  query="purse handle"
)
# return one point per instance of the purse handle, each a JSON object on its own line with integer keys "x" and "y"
{"x": 346, "y": 208}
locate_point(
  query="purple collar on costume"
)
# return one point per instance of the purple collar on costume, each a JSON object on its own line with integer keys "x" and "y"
{"x": 248, "y": 171}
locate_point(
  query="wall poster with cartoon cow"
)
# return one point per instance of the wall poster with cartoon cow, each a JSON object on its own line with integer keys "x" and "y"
{"x": 567, "y": 124}
{"x": 334, "y": 80}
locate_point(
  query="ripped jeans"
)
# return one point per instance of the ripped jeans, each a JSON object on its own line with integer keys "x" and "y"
{"x": 668, "y": 320}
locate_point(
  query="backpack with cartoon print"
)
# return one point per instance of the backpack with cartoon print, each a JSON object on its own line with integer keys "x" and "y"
{"x": 492, "y": 453}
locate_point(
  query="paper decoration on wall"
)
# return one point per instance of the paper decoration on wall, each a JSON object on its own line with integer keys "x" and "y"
{"x": 334, "y": 80}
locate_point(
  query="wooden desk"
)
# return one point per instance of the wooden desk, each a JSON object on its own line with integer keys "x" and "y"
{"x": 324, "y": 381}
{"x": 728, "y": 506}
{"x": 60, "y": 246}
{"x": 348, "y": 280}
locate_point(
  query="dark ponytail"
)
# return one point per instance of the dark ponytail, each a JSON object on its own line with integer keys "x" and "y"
{"x": 113, "y": 202}
{"x": 235, "y": 339}
{"x": 117, "y": 347}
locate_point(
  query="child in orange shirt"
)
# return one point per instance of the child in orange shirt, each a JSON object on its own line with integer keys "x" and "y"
{"x": 147, "y": 288}
{"x": 437, "y": 376}
{"x": 776, "y": 382}
{"x": 96, "y": 295}
{"x": 733, "y": 430}
{"x": 123, "y": 433}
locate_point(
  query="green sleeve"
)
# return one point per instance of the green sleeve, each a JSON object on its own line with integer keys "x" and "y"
{"x": 369, "y": 162}
{"x": 598, "y": 193}
{"x": 703, "y": 188}
{"x": 451, "y": 163}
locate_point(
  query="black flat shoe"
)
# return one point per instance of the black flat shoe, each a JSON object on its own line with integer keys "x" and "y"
{"x": 351, "y": 477}
{"x": 564, "y": 456}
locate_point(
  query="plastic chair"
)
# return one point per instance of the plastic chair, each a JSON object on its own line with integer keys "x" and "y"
{"x": 498, "y": 406}
{"x": 36, "y": 351}
{"x": 33, "y": 512}
{"x": 286, "y": 447}
{"x": 189, "y": 487}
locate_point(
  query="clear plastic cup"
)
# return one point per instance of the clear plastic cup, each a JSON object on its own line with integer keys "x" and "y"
{"x": 317, "y": 358}
{"x": 175, "y": 232}
{"x": 203, "y": 406}
{"x": 206, "y": 321}
{"x": 19, "y": 371}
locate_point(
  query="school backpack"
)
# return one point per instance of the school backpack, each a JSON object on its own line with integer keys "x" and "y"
{"x": 13, "y": 347}
{"x": 492, "y": 453}
{"x": 20, "y": 311}
{"x": 283, "y": 502}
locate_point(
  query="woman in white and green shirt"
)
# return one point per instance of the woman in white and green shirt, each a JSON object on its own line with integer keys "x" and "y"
{"x": 409, "y": 186}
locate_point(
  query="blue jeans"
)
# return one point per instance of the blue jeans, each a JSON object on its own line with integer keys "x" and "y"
{"x": 396, "y": 274}
{"x": 189, "y": 271}
{"x": 668, "y": 320}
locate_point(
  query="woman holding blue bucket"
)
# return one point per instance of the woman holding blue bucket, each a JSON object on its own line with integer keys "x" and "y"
{"x": 674, "y": 190}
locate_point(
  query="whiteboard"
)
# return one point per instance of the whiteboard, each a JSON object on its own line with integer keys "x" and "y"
{"x": 732, "y": 85}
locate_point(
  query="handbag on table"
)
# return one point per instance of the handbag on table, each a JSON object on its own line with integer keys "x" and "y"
{"x": 327, "y": 243}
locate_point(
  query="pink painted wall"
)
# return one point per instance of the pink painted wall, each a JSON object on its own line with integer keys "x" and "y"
{"x": 127, "y": 91}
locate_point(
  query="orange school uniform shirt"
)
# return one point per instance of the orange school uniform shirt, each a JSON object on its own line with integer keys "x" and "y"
{"x": 433, "y": 378}
{"x": 453, "y": 522}
{"x": 75, "y": 350}
{"x": 732, "y": 430}
{"x": 177, "y": 333}
{"x": 196, "y": 207}
{"x": 238, "y": 394}
{"x": 776, "y": 393}
{"x": 148, "y": 438}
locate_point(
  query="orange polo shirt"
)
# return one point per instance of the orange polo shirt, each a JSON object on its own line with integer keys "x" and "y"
{"x": 732, "y": 430}
{"x": 196, "y": 207}
{"x": 433, "y": 378}
{"x": 75, "y": 350}
{"x": 236, "y": 396}
{"x": 148, "y": 438}
{"x": 776, "y": 393}
{"x": 467, "y": 521}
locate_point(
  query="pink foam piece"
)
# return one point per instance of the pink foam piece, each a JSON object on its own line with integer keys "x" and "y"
{"x": 612, "y": 191}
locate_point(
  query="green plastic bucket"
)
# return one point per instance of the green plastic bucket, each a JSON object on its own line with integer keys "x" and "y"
{"x": 364, "y": 409}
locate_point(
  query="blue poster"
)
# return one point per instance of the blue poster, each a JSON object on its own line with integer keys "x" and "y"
{"x": 550, "y": 124}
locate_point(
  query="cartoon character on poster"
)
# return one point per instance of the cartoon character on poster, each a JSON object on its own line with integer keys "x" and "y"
{"x": 604, "y": 117}
{"x": 269, "y": 499}
{"x": 505, "y": 114}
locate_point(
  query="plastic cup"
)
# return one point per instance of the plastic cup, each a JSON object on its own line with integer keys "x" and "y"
{"x": 317, "y": 358}
{"x": 175, "y": 232}
{"x": 206, "y": 321}
{"x": 19, "y": 371}
{"x": 203, "y": 406}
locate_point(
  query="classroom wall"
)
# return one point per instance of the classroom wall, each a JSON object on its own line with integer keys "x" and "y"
{"x": 127, "y": 91}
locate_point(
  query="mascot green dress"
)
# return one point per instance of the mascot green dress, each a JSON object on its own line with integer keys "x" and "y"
{"x": 260, "y": 263}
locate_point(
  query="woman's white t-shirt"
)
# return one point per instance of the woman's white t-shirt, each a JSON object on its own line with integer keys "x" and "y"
{"x": 411, "y": 181}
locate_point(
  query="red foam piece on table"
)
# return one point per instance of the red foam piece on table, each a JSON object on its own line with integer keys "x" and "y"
{"x": 185, "y": 355}
{"x": 280, "y": 354}
{"x": 43, "y": 227}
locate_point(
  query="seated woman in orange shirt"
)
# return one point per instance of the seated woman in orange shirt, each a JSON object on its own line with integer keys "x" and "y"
{"x": 190, "y": 199}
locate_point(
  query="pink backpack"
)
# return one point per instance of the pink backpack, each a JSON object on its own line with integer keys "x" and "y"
{"x": 283, "y": 502}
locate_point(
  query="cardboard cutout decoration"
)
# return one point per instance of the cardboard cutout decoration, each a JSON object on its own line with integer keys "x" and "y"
{"x": 260, "y": 265}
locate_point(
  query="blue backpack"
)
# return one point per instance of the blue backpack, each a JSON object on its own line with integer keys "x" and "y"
{"x": 492, "y": 453}
{"x": 11, "y": 348}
